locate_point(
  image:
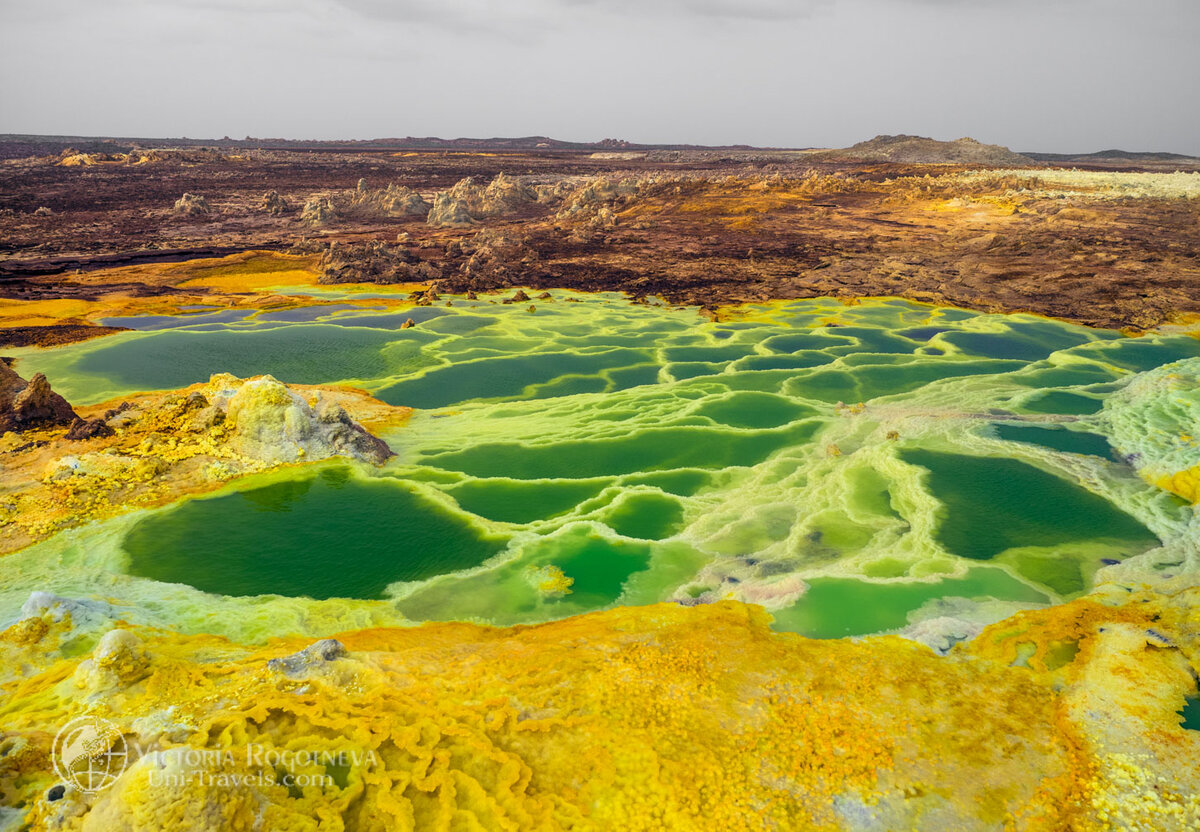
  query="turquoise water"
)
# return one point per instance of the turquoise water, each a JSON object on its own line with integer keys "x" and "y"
{"x": 845, "y": 465}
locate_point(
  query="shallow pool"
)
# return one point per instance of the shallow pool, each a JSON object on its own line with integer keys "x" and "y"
{"x": 845, "y": 465}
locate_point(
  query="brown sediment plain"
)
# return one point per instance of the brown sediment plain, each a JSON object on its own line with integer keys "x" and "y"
{"x": 1104, "y": 246}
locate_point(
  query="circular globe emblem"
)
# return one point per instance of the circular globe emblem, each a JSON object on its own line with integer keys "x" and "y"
{"x": 90, "y": 753}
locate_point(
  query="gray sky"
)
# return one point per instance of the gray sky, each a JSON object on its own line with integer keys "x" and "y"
{"x": 1055, "y": 75}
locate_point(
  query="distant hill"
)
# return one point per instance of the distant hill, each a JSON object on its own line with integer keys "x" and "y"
{"x": 921, "y": 150}
{"x": 902, "y": 149}
{"x": 1116, "y": 157}
{"x": 14, "y": 145}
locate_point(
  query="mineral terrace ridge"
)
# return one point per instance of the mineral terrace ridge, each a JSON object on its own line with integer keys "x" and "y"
{"x": 517, "y": 484}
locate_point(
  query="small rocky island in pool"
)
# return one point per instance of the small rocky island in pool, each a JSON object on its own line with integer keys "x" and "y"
{"x": 637, "y": 491}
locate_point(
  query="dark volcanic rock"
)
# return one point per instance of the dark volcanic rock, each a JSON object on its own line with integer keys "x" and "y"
{"x": 52, "y": 334}
{"x": 312, "y": 657}
{"x": 30, "y": 404}
{"x": 350, "y": 437}
{"x": 88, "y": 429}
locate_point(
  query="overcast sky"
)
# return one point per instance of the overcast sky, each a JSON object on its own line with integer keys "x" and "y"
{"x": 1055, "y": 75}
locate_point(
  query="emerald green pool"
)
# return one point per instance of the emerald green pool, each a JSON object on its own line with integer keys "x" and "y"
{"x": 324, "y": 536}
{"x": 845, "y": 465}
{"x": 838, "y": 607}
{"x": 993, "y": 505}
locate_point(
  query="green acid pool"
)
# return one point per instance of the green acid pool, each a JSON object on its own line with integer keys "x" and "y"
{"x": 845, "y": 465}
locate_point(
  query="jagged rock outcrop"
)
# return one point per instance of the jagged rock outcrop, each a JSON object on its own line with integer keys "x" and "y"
{"x": 306, "y": 246}
{"x": 272, "y": 424}
{"x": 595, "y": 203}
{"x": 392, "y": 201}
{"x": 318, "y": 210}
{"x": 274, "y": 204}
{"x": 300, "y": 663}
{"x": 468, "y": 201}
{"x": 494, "y": 254}
{"x": 30, "y": 404}
{"x": 82, "y": 429}
{"x": 504, "y": 195}
{"x": 449, "y": 211}
{"x": 192, "y": 205}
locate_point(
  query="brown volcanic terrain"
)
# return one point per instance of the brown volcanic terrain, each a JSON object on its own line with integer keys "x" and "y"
{"x": 1114, "y": 249}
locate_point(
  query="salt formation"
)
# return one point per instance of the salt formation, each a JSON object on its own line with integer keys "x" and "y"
{"x": 192, "y": 205}
{"x": 468, "y": 201}
{"x": 269, "y": 422}
{"x": 392, "y": 201}
{"x": 275, "y": 204}
{"x": 318, "y": 211}
{"x": 1154, "y": 422}
{"x": 373, "y": 262}
{"x": 449, "y": 211}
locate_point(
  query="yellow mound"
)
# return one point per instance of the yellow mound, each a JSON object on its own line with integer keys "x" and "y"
{"x": 166, "y": 445}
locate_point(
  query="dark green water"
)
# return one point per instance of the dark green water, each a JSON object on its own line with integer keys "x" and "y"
{"x": 996, "y": 504}
{"x": 1057, "y": 439}
{"x": 327, "y": 536}
{"x": 1191, "y": 713}
{"x": 839, "y": 607}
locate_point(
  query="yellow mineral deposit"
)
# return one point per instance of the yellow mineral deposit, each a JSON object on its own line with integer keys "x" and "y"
{"x": 643, "y": 718}
{"x": 165, "y": 446}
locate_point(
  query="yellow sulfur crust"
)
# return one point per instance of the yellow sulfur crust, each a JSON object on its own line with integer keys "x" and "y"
{"x": 661, "y": 717}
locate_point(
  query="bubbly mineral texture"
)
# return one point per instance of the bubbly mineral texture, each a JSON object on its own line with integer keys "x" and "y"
{"x": 151, "y": 449}
{"x": 1155, "y": 422}
{"x": 652, "y": 718}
